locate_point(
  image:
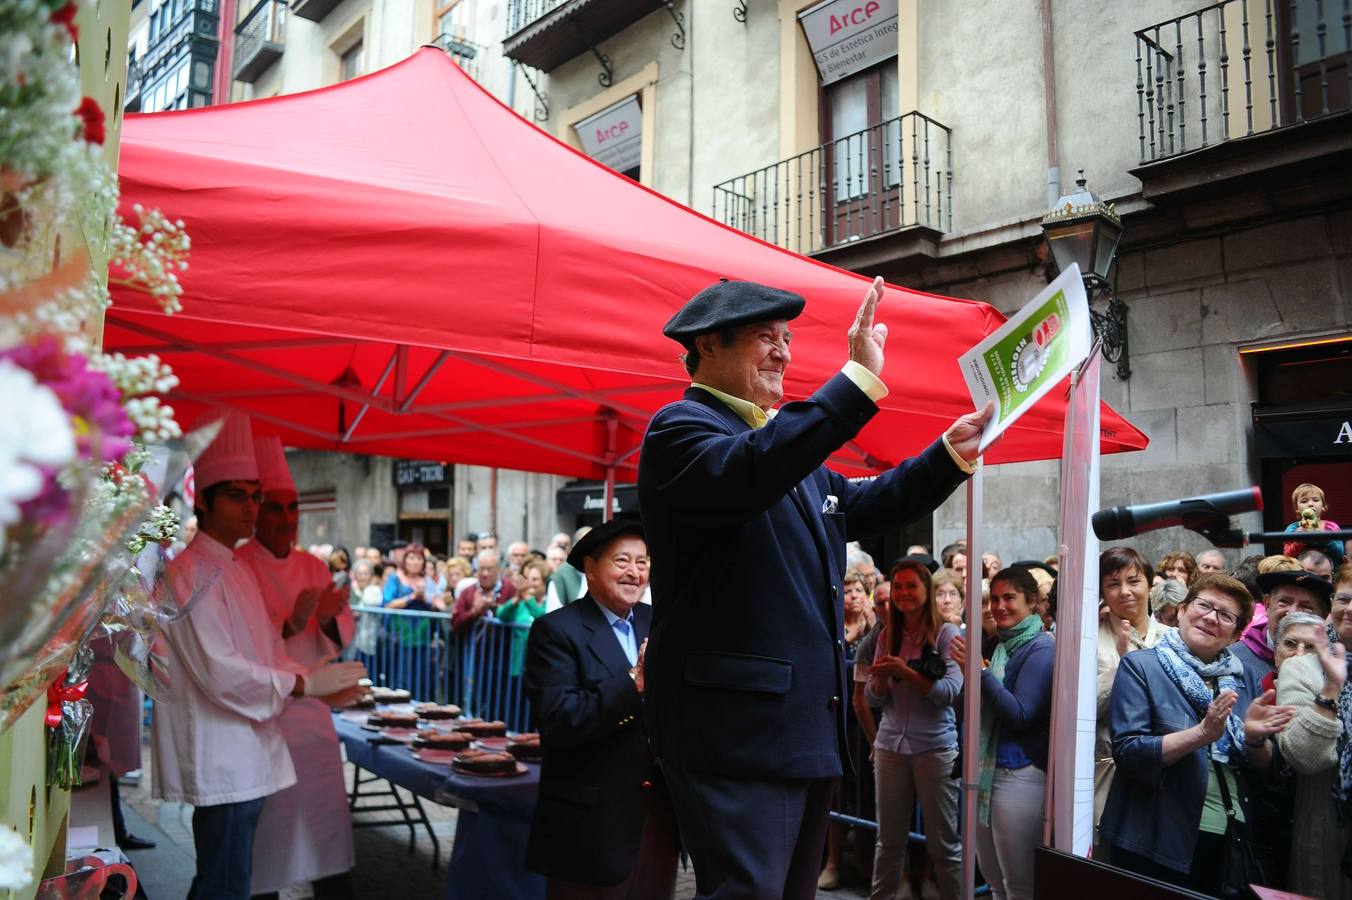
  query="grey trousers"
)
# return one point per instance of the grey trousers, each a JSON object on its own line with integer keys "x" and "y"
{"x": 900, "y": 778}
{"x": 1005, "y": 846}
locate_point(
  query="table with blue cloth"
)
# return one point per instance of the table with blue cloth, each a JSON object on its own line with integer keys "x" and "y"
{"x": 488, "y": 854}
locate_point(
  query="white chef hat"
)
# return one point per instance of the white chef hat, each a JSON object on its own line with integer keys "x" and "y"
{"x": 272, "y": 468}
{"x": 230, "y": 457}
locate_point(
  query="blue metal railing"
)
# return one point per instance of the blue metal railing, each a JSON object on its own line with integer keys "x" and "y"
{"x": 478, "y": 669}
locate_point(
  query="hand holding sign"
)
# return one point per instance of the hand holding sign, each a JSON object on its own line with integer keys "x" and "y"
{"x": 1017, "y": 365}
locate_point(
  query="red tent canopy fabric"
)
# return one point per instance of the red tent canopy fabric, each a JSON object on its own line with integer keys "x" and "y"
{"x": 400, "y": 265}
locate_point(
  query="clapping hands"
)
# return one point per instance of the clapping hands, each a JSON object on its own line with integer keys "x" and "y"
{"x": 1265, "y": 718}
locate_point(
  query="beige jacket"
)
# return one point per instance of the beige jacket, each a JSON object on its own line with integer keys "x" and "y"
{"x": 1310, "y": 743}
{"x": 1108, "y": 660}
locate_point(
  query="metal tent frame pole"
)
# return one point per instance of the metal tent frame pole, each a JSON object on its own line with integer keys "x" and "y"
{"x": 971, "y": 703}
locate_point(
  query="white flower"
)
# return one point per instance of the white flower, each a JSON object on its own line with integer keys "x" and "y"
{"x": 34, "y": 431}
{"x": 16, "y": 861}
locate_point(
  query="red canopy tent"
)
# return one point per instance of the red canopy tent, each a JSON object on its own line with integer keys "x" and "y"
{"x": 400, "y": 265}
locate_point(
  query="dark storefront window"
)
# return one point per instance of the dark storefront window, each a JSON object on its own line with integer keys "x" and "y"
{"x": 1303, "y": 426}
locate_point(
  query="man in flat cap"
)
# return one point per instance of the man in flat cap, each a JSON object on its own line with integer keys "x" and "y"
{"x": 603, "y": 827}
{"x": 1284, "y": 592}
{"x": 746, "y": 664}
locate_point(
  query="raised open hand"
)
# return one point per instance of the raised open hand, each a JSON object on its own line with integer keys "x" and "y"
{"x": 307, "y": 601}
{"x": 1265, "y": 718}
{"x": 331, "y": 601}
{"x": 867, "y": 339}
{"x": 1333, "y": 659}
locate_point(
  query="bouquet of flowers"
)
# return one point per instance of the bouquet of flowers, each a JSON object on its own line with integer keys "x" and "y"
{"x": 76, "y": 506}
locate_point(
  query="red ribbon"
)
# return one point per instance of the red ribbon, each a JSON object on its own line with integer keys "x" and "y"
{"x": 59, "y": 692}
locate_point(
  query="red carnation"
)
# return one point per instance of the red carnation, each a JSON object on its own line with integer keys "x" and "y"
{"x": 66, "y": 16}
{"x": 91, "y": 114}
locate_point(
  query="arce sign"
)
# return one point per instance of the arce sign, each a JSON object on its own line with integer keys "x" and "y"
{"x": 848, "y": 36}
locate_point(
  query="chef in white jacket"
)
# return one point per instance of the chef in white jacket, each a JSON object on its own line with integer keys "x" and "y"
{"x": 216, "y": 739}
{"x": 305, "y": 831}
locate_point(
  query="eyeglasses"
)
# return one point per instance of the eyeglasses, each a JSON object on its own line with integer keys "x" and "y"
{"x": 239, "y": 495}
{"x": 1224, "y": 616}
{"x": 624, "y": 561}
{"x": 1292, "y": 645}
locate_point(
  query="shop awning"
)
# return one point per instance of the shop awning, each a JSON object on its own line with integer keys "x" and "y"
{"x": 400, "y": 265}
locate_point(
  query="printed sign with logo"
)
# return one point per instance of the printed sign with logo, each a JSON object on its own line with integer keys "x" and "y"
{"x": 614, "y": 136}
{"x": 1031, "y": 353}
{"x": 848, "y": 36}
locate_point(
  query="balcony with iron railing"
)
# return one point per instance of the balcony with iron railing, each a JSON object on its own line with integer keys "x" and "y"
{"x": 543, "y": 34}
{"x": 1238, "y": 69}
{"x": 465, "y": 54}
{"x": 260, "y": 39}
{"x": 131, "y": 97}
{"x": 890, "y": 178}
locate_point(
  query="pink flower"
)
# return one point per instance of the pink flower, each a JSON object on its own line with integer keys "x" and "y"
{"x": 93, "y": 402}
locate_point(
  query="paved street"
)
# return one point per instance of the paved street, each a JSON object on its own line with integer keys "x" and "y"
{"x": 385, "y": 868}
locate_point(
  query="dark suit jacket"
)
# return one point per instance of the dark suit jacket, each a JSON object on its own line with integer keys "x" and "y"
{"x": 597, "y": 772}
{"x": 745, "y": 670}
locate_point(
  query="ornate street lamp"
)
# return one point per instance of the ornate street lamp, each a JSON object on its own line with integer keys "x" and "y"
{"x": 1083, "y": 229}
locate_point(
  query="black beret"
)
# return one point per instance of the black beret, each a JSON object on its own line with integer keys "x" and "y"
{"x": 728, "y": 304}
{"x": 596, "y": 540}
{"x": 1270, "y": 581}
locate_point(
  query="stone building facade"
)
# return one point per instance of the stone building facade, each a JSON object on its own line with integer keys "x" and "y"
{"x": 926, "y": 147}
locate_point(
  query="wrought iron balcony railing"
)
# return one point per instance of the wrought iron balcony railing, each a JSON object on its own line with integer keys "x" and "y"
{"x": 894, "y": 175}
{"x": 1240, "y": 67}
{"x": 465, "y": 54}
{"x": 543, "y": 34}
{"x": 131, "y": 99}
{"x": 260, "y": 39}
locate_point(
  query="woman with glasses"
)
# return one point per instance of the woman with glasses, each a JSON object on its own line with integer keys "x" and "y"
{"x": 1312, "y": 680}
{"x": 1187, "y": 730}
{"x": 948, "y": 588}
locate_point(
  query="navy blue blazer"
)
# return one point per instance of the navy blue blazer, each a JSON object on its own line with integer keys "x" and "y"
{"x": 745, "y": 669}
{"x": 1154, "y": 810}
{"x": 597, "y": 773}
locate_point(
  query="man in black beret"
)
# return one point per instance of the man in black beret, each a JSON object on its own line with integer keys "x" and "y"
{"x": 746, "y": 666}
{"x": 603, "y": 825}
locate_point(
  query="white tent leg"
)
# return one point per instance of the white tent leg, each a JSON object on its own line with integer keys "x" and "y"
{"x": 971, "y": 706}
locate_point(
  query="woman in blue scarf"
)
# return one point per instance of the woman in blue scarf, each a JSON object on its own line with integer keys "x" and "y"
{"x": 1016, "y": 700}
{"x": 1184, "y": 714}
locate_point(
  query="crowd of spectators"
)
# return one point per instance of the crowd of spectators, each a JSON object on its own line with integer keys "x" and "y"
{"x": 1222, "y": 747}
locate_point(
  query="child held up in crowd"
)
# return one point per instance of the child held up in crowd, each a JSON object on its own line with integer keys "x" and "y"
{"x": 1311, "y": 507}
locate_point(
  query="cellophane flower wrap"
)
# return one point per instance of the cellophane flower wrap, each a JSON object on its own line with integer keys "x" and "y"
{"x": 68, "y": 718}
{"x": 76, "y": 506}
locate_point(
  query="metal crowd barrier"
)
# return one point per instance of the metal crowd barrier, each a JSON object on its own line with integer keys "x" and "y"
{"x": 477, "y": 669}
